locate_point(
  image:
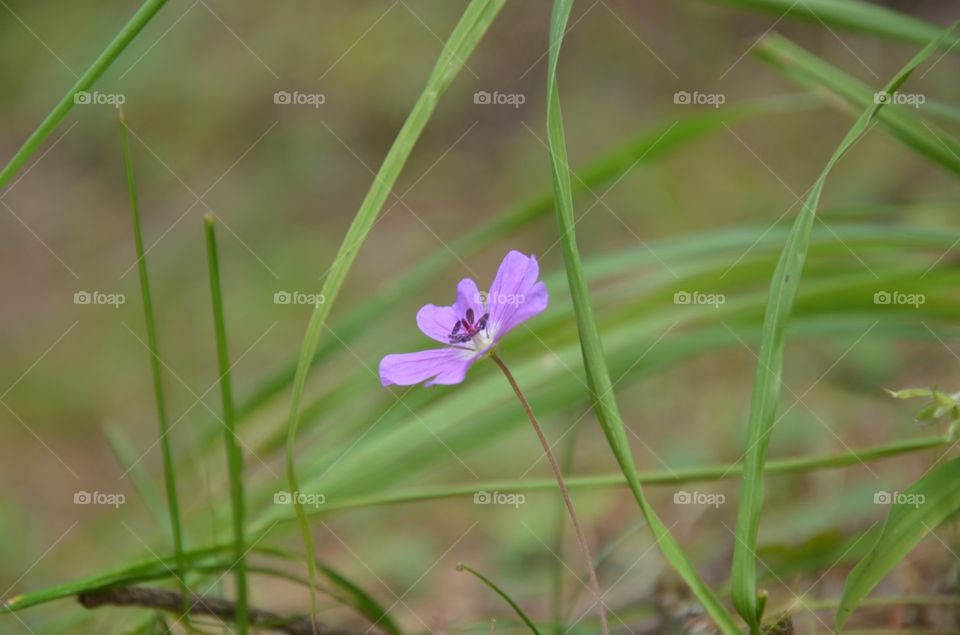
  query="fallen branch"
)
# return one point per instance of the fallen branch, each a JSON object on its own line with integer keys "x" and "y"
{"x": 172, "y": 601}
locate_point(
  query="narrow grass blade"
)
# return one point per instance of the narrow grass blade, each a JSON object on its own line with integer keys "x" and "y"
{"x": 767, "y": 384}
{"x": 928, "y": 139}
{"x": 914, "y": 513}
{"x": 598, "y": 375}
{"x": 99, "y": 66}
{"x": 234, "y": 453}
{"x": 169, "y": 471}
{"x": 496, "y": 589}
{"x": 855, "y": 15}
{"x": 477, "y": 17}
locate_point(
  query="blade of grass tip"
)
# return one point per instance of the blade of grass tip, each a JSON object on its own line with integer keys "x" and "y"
{"x": 496, "y": 589}
{"x": 169, "y": 475}
{"x": 767, "y": 384}
{"x": 234, "y": 453}
{"x": 475, "y": 21}
{"x": 598, "y": 375}
{"x": 99, "y": 66}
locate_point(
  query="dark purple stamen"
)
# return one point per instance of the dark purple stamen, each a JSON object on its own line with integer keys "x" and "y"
{"x": 468, "y": 328}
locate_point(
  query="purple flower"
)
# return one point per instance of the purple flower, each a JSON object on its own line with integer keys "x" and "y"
{"x": 472, "y": 326}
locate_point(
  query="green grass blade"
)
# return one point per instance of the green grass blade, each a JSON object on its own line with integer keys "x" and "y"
{"x": 767, "y": 384}
{"x": 866, "y": 17}
{"x": 598, "y": 375}
{"x": 928, "y": 139}
{"x": 915, "y": 513}
{"x": 169, "y": 470}
{"x": 234, "y": 453}
{"x": 475, "y": 21}
{"x": 496, "y": 589}
{"x": 99, "y": 66}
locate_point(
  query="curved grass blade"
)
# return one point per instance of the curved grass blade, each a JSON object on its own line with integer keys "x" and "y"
{"x": 598, "y": 375}
{"x": 767, "y": 384}
{"x": 915, "y": 513}
{"x": 99, "y": 66}
{"x": 169, "y": 471}
{"x": 496, "y": 589}
{"x": 928, "y": 139}
{"x": 855, "y": 15}
{"x": 234, "y": 454}
{"x": 477, "y": 17}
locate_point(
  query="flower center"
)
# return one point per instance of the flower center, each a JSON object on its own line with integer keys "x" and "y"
{"x": 466, "y": 330}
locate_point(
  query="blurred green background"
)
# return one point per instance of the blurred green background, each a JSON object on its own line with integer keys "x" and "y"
{"x": 285, "y": 180}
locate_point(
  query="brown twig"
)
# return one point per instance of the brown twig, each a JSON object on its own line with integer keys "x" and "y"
{"x": 172, "y": 601}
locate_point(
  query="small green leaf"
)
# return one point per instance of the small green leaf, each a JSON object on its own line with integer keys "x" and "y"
{"x": 913, "y": 514}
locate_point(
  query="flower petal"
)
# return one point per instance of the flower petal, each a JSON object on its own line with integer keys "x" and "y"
{"x": 534, "y": 303}
{"x": 435, "y": 366}
{"x": 437, "y": 321}
{"x": 515, "y": 294}
{"x": 469, "y": 297}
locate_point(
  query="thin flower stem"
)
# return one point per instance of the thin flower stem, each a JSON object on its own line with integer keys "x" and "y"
{"x": 564, "y": 492}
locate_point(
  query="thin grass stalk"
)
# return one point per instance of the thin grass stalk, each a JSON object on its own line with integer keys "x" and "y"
{"x": 169, "y": 471}
{"x": 234, "y": 453}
